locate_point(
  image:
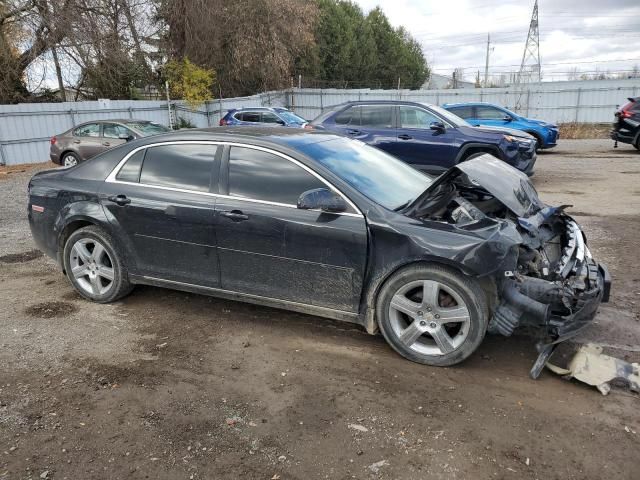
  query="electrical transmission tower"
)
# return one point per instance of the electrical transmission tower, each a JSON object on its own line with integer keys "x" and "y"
{"x": 530, "y": 67}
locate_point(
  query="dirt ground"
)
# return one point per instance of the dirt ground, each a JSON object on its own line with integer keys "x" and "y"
{"x": 169, "y": 385}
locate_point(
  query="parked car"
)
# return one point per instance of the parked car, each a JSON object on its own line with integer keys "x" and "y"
{"x": 271, "y": 116}
{"x": 322, "y": 224}
{"x": 427, "y": 137}
{"x": 626, "y": 128}
{"x": 479, "y": 113}
{"x": 91, "y": 138}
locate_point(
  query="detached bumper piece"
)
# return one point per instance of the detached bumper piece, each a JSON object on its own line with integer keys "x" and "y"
{"x": 590, "y": 366}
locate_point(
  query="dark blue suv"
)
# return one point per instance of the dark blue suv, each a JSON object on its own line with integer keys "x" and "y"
{"x": 480, "y": 113}
{"x": 427, "y": 137}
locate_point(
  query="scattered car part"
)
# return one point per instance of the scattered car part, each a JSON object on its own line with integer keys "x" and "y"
{"x": 589, "y": 365}
{"x": 626, "y": 128}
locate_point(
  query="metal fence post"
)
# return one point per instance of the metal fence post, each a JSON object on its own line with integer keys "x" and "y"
{"x": 73, "y": 117}
{"x": 528, "y": 100}
{"x": 578, "y": 105}
{"x": 207, "y": 112}
{"x": 130, "y": 112}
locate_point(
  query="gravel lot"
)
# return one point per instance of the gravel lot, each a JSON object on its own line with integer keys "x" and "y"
{"x": 169, "y": 385}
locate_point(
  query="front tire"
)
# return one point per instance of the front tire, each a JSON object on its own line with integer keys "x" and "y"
{"x": 432, "y": 314}
{"x": 94, "y": 267}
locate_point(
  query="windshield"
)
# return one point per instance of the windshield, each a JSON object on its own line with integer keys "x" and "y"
{"x": 291, "y": 117}
{"x": 377, "y": 175}
{"x": 148, "y": 128}
{"x": 452, "y": 118}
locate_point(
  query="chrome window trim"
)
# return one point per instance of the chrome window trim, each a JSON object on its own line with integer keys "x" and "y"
{"x": 111, "y": 178}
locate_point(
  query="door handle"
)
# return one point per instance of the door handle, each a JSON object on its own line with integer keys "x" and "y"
{"x": 76, "y": 141}
{"x": 354, "y": 132}
{"x": 404, "y": 136}
{"x": 121, "y": 200}
{"x": 106, "y": 144}
{"x": 235, "y": 215}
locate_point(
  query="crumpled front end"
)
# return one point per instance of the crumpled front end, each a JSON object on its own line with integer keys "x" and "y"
{"x": 550, "y": 284}
{"x": 556, "y": 287}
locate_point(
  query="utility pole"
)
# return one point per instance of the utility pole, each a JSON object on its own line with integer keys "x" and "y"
{"x": 486, "y": 63}
{"x": 530, "y": 68}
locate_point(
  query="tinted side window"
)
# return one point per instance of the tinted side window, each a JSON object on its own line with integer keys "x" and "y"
{"x": 412, "y": 117}
{"x": 130, "y": 171}
{"x": 378, "y": 116}
{"x": 263, "y": 176}
{"x": 179, "y": 166}
{"x": 248, "y": 116}
{"x": 490, "y": 113}
{"x": 268, "y": 117}
{"x": 462, "y": 112}
{"x": 344, "y": 117}
{"x": 111, "y": 130}
{"x": 90, "y": 130}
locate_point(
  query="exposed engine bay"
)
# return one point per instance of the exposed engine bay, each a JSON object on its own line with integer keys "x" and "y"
{"x": 553, "y": 286}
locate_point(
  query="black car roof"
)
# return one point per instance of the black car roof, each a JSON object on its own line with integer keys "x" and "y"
{"x": 290, "y": 137}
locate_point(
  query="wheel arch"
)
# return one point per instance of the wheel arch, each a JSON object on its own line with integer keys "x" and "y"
{"x": 376, "y": 284}
{"x": 473, "y": 147}
{"x": 537, "y": 136}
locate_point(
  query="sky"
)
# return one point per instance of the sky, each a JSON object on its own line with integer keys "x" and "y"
{"x": 588, "y": 35}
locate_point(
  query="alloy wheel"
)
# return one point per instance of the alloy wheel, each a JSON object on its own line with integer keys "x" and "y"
{"x": 91, "y": 266}
{"x": 70, "y": 161}
{"x": 429, "y": 317}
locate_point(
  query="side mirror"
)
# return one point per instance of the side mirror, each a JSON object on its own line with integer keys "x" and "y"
{"x": 280, "y": 122}
{"x": 437, "y": 127}
{"x": 125, "y": 136}
{"x": 322, "y": 199}
{"x": 507, "y": 118}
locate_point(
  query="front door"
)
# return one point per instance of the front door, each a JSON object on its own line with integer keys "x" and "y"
{"x": 162, "y": 201}
{"x": 419, "y": 145}
{"x": 112, "y": 133}
{"x": 269, "y": 248}
{"x": 490, "y": 116}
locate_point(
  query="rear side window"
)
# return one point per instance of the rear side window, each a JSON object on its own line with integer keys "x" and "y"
{"x": 89, "y": 130}
{"x": 377, "y": 116}
{"x": 180, "y": 166}
{"x": 248, "y": 116}
{"x": 462, "y": 112}
{"x": 130, "y": 171}
{"x": 264, "y": 176}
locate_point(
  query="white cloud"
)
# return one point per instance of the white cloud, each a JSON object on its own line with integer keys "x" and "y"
{"x": 573, "y": 33}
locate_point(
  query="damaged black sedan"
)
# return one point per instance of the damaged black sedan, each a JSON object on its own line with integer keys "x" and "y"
{"x": 325, "y": 225}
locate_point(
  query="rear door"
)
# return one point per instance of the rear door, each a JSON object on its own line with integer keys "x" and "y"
{"x": 372, "y": 124}
{"x": 270, "y": 248}
{"x": 162, "y": 200}
{"x": 421, "y": 147}
{"x": 87, "y": 141}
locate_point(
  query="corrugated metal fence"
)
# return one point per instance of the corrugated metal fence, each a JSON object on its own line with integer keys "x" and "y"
{"x": 25, "y": 129}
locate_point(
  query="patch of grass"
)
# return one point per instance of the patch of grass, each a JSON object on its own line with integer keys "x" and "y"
{"x": 574, "y": 130}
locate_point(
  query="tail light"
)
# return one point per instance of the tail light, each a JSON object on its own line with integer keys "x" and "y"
{"x": 222, "y": 122}
{"x": 53, "y": 140}
{"x": 625, "y": 114}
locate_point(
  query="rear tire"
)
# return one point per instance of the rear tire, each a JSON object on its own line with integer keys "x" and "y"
{"x": 94, "y": 267}
{"x": 70, "y": 160}
{"x": 432, "y": 314}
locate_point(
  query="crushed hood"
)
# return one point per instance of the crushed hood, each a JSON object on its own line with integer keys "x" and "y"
{"x": 510, "y": 186}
